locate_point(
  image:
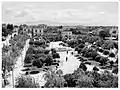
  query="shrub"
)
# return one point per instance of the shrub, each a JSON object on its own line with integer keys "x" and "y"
{"x": 104, "y": 33}
{"x": 103, "y": 60}
{"x": 38, "y": 51}
{"x": 46, "y": 51}
{"x": 111, "y": 55}
{"x": 37, "y": 63}
{"x": 88, "y": 54}
{"x": 83, "y": 66}
{"x": 115, "y": 70}
{"x": 31, "y": 42}
{"x": 111, "y": 63}
{"x": 116, "y": 45}
{"x": 53, "y": 50}
{"x": 97, "y": 58}
{"x": 55, "y": 55}
{"x": 101, "y": 50}
{"x": 81, "y": 46}
{"x": 76, "y": 49}
{"x": 28, "y": 58}
{"x": 106, "y": 52}
{"x": 34, "y": 72}
{"x": 26, "y": 82}
{"x": 99, "y": 42}
{"x": 49, "y": 60}
{"x": 108, "y": 44}
{"x": 94, "y": 54}
{"x": 79, "y": 50}
{"x": 30, "y": 50}
{"x": 39, "y": 43}
{"x": 95, "y": 68}
{"x": 84, "y": 50}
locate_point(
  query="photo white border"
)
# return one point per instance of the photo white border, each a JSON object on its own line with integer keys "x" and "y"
{"x": 56, "y": 1}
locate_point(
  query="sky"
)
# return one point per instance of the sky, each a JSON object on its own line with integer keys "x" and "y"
{"x": 79, "y": 13}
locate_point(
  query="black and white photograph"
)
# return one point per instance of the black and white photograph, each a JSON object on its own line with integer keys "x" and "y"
{"x": 59, "y": 44}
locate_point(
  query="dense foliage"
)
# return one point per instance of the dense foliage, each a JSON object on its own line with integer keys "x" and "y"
{"x": 11, "y": 52}
{"x": 26, "y": 82}
{"x": 82, "y": 79}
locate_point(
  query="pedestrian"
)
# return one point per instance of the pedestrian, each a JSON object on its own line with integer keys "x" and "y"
{"x": 66, "y": 59}
{"x": 72, "y": 53}
{"x": 67, "y": 51}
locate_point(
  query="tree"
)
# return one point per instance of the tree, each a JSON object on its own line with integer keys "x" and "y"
{"x": 31, "y": 42}
{"x": 106, "y": 52}
{"x": 95, "y": 68}
{"x": 103, "y": 60}
{"x": 10, "y": 26}
{"x": 30, "y": 50}
{"x": 53, "y": 80}
{"x": 88, "y": 54}
{"x": 46, "y": 51}
{"x": 97, "y": 58}
{"x": 24, "y": 81}
{"x": 69, "y": 78}
{"x": 108, "y": 80}
{"x": 111, "y": 55}
{"x": 59, "y": 72}
{"x": 37, "y": 63}
{"x": 81, "y": 46}
{"x": 5, "y": 48}
{"x": 108, "y": 44}
{"x": 101, "y": 50}
{"x": 7, "y": 65}
{"x": 83, "y": 66}
{"x": 94, "y": 54}
{"x": 116, "y": 45}
{"x": 79, "y": 50}
{"x": 104, "y": 33}
{"x": 84, "y": 82}
{"x": 49, "y": 60}
{"x": 84, "y": 50}
{"x": 115, "y": 70}
{"x": 55, "y": 55}
{"x": 53, "y": 50}
{"x": 4, "y": 31}
{"x": 28, "y": 59}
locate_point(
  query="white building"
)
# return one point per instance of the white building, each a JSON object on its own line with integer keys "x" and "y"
{"x": 66, "y": 33}
{"x": 34, "y": 30}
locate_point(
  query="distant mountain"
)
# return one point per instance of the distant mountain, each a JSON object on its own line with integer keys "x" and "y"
{"x": 52, "y": 23}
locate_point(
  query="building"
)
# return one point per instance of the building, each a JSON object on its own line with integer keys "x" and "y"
{"x": 38, "y": 31}
{"x": 66, "y": 33}
{"x": 34, "y": 30}
{"x": 114, "y": 32}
